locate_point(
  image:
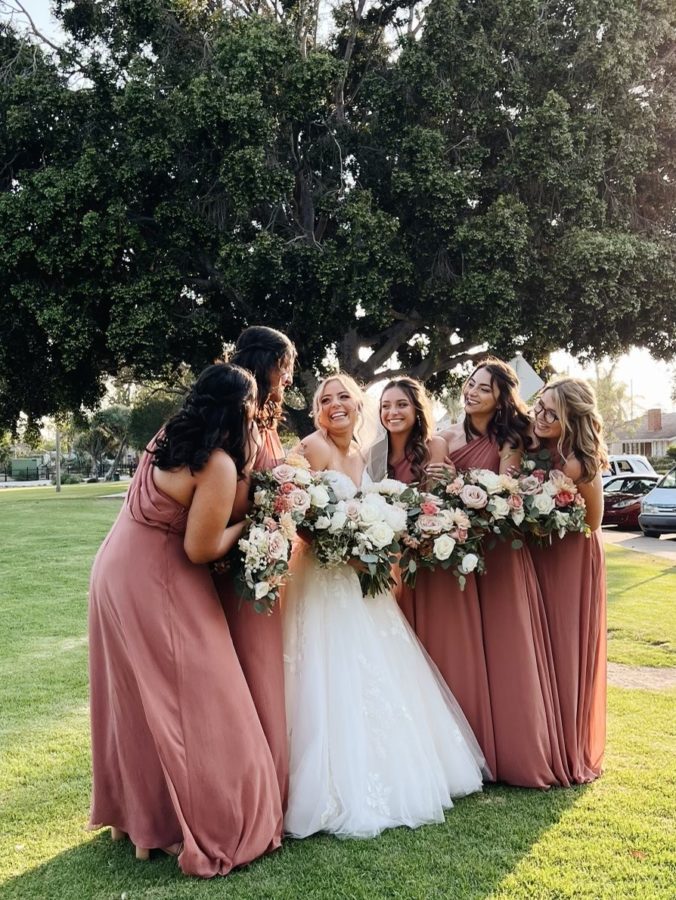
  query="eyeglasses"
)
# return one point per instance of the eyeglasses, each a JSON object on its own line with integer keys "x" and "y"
{"x": 542, "y": 412}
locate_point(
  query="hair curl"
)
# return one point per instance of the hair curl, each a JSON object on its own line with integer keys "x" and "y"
{"x": 581, "y": 423}
{"x": 214, "y": 414}
{"x": 511, "y": 423}
{"x": 416, "y": 450}
{"x": 261, "y": 350}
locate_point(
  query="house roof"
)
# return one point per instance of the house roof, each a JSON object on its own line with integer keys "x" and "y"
{"x": 637, "y": 429}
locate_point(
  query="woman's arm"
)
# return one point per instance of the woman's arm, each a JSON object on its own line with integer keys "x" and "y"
{"x": 591, "y": 491}
{"x": 207, "y": 534}
{"x": 510, "y": 458}
{"x": 315, "y": 450}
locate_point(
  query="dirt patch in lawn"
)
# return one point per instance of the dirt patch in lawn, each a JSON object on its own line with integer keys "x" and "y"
{"x": 647, "y": 678}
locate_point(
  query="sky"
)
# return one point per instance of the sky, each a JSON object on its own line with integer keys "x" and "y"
{"x": 649, "y": 380}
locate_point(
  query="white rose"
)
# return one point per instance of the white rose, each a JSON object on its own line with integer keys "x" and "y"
{"x": 319, "y": 496}
{"x": 543, "y": 504}
{"x": 551, "y": 488}
{"x": 388, "y": 486}
{"x": 396, "y": 518}
{"x": 338, "y": 520}
{"x": 380, "y": 534}
{"x": 262, "y": 588}
{"x": 499, "y": 507}
{"x": 368, "y": 514}
{"x": 489, "y": 479}
{"x": 443, "y": 546}
{"x": 469, "y": 563}
{"x": 322, "y": 523}
{"x": 302, "y": 476}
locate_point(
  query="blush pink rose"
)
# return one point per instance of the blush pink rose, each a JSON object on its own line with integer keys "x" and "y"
{"x": 282, "y": 504}
{"x": 286, "y": 488}
{"x": 564, "y": 498}
{"x": 540, "y": 474}
{"x": 460, "y": 534}
{"x": 429, "y": 508}
{"x": 270, "y": 524}
{"x": 429, "y": 524}
{"x": 474, "y": 496}
{"x": 515, "y": 501}
{"x": 283, "y": 473}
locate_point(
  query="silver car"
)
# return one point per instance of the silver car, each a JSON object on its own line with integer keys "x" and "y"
{"x": 658, "y": 507}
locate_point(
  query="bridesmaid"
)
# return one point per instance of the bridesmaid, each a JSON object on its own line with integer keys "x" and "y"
{"x": 179, "y": 756}
{"x": 270, "y": 356}
{"x": 446, "y": 619}
{"x": 516, "y": 650}
{"x": 571, "y": 573}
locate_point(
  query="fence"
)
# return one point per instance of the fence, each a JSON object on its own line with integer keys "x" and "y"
{"x": 44, "y": 472}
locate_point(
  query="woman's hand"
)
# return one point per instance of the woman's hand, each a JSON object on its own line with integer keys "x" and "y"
{"x": 359, "y": 567}
{"x": 442, "y": 470}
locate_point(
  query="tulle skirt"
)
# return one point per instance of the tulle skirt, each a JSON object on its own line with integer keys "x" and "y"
{"x": 376, "y": 739}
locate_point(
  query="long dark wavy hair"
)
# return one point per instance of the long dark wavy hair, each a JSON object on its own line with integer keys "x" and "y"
{"x": 511, "y": 423}
{"x": 261, "y": 350}
{"x": 214, "y": 414}
{"x": 416, "y": 451}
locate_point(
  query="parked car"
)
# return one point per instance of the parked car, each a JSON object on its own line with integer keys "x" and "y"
{"x": 658, "y": 508}
{"x": 622, "y": 498}
{"x": 627, "y": 464}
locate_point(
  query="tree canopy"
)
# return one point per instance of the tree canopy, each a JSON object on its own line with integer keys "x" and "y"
{"x": 495, "y": 174}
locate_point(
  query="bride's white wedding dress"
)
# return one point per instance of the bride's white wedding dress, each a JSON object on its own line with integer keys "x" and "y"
{"x": 376, "y": 739}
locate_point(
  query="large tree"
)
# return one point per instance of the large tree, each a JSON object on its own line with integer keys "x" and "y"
{"x": 183, "y": 169}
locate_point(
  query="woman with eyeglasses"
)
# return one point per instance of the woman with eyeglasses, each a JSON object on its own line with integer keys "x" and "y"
{"x": 572, "y": 576}
{"x": 502, "y": 653}
{"x": 270, "y": 357}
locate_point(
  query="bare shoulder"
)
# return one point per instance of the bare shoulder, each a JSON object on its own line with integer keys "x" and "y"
{"x": 219, "y": 467}
{"x": 315, "y": 448}
{"x": 573, "y": 469}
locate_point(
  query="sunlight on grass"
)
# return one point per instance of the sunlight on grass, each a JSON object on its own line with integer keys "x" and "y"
{"x": 612, "y": 839}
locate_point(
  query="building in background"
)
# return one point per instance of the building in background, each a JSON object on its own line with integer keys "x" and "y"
{"x": 648, "y": 435}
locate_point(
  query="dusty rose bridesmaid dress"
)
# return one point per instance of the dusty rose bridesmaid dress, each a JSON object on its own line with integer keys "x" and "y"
{"x": 526, "y": 719}
{"x": 178, "y": 749}
{"x": 572, "y": 578}
{"x": 258, "y": 642}
{"x": 447, "y": 621}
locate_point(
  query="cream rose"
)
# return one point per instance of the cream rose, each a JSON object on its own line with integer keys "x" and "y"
{"x": 543, "y": 503}
{"x": 262, "y": 588}
{"x": 469, "y": 563}
{"x": 380, "y": 534}
{"x": 499, "y": 507}
{"x": 443, "y": 546}
{"x": 319, "y": 496}
{"x": 489, "y": 480}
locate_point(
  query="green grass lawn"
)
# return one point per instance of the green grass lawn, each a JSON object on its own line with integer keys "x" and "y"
{"x": 612, "y": 839}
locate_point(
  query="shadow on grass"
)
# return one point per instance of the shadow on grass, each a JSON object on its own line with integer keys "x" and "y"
{"x": 482, "y": 840}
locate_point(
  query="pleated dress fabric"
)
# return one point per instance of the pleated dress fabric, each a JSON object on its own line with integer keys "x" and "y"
{"x": 179, "y": 754}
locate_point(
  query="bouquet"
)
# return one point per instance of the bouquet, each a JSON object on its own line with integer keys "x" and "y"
{"x": 440, "y": 533}
{"x": 552, "y": 503}
{"x": 283, "y": 499}
{"x": 364, "y": 526}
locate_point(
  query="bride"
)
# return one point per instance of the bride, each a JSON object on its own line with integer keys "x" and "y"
{"x": 376, "y": 739}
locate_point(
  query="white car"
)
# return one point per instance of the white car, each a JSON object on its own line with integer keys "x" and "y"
{"x": 627, "y": 465}
{"x": 658, "y": 507}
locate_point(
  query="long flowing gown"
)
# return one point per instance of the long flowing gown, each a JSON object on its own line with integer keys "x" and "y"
{"x": 521, "y": 678}
{"x": 571, "y": 573}
{"x": 376, "y": 739}
{"x": 258, "y": 642}
{"x": 447, "y": 621}
{"x": 178, "y": 749}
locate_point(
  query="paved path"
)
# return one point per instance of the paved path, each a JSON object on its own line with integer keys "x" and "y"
{"x": 664, "y": 547}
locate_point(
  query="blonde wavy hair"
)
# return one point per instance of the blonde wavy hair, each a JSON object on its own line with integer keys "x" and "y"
{"x": 574, "y": 400}
{"x": 350, "y": 386}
